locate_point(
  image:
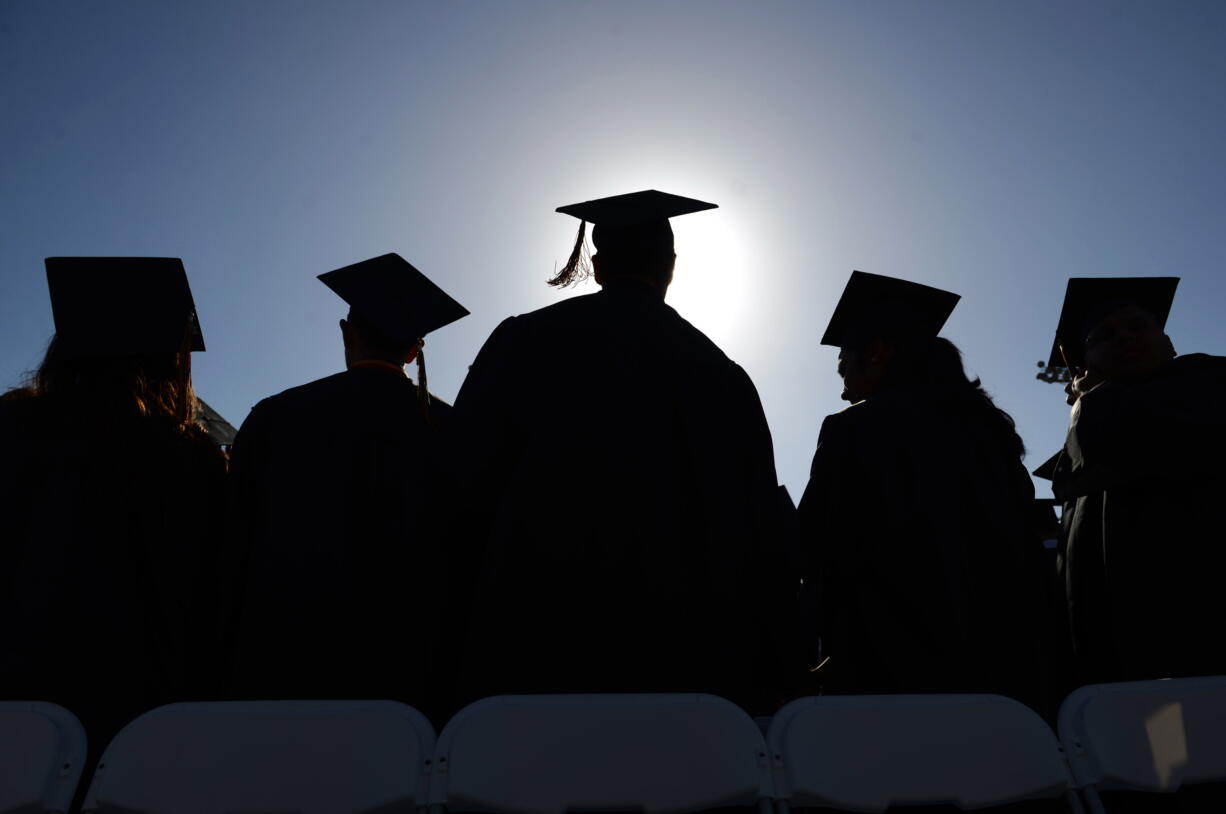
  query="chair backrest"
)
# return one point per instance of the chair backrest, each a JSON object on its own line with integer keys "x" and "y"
{"x": 869, "y": 752}
{"x": 551, "y": 754}
{"x": 42, "y": 752}
{"x": 312, "y": 757}
{"x": 1146, "y": 735}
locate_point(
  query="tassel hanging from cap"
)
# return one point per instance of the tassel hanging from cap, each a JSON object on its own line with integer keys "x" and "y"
{"x": 578, "y": 266}
{"x": 423, "y": 392}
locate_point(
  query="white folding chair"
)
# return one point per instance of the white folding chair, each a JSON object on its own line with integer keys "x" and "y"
{"x": 870, "y": 752}
{"x": 42, "y": 751}
{"x": 553, "y": 754}
{"x": 310, "y": 757}
{"x": 1150, "y": 736}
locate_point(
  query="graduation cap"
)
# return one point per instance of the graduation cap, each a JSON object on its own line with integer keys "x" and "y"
{"x": 634, "y": 224}
{"x": 901, "y": 307}
{"x": 396, "y": 298}
{"x": 1047, "y": 469}
{"x": 1089, "y": 300}
{"x": 121, "y": 306}
{"x": 220, "y": 431}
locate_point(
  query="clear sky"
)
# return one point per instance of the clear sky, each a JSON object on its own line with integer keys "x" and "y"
{"x": 991, "y": 148}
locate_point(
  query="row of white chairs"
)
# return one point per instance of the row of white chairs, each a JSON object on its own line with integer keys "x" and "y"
{"x": 656, "y": 754}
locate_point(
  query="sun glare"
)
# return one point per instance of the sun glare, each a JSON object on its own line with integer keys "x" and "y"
{"x": 709, "y": 287}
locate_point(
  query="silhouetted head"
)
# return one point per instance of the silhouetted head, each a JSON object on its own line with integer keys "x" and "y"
{"x": 364, "y": 342}
{"x": 1126, "y": 342}
{"x": 642, "y": 252}
{"x": 125, "y": 331}
{"x": 1114, "y": 326}
{"x": 886, "y": 332}
{"x": 862, "y": 369}
{"x": 632, "y": 236}
{"x": 392, "y": 306}
{"x": 878, "y": 320}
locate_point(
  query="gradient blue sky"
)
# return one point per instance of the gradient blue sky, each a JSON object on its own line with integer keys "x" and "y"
{"x": 991, "y": 148}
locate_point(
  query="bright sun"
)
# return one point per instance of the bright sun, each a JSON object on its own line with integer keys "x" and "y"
{"x": 709, "y": 287}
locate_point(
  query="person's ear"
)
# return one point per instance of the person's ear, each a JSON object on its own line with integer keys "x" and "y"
{"x": 346, "y": 332}
{"x": 1170, "y": 347}
{"x": 596, "y": 269}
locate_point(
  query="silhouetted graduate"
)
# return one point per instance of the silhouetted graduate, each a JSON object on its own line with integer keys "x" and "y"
{"x": 111, "y": 494}
{"x": 918, "y": 515}
{"x": 624, "y": 469}
{"x": 1142, "y": 482}
{"x": 335, "y": 497}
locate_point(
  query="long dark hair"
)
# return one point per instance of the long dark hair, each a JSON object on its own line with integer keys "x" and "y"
{"x": 100, "y": 387}
{"x": 934, "y": 366}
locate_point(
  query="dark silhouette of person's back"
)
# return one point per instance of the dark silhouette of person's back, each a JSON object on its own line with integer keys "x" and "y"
{"x": 622, "y": 471}
{"x": 335, "y": 499}
{"x": 110, "y": 494}
{"x": 918, "y": 517}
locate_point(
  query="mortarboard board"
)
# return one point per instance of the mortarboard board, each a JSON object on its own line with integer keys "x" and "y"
{"x": 120, "y": 306}
{"x": 634, "y": 208}
{"x": 1047, "y": 469}
{"x": 395, "y": 297}
{"x": 1088, "y": 300}
{"x": 221, "y": 432}
{"x": 636, "y": 222}
{"x": 876, "y": 301}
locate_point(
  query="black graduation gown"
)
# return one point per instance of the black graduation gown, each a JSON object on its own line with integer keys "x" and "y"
{"x": 1057, "y": 639}
{"x": 108, "y": 555}
{"x": 919, "y": 526}
{"x": 1143, "y": 550}
{"x": 334, "y": 501}
{"x": 623, "y": 478}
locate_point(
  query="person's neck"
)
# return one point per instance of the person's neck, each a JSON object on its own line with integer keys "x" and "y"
{"x": 636, "y": 282}
{"x": 377, "y": 364}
